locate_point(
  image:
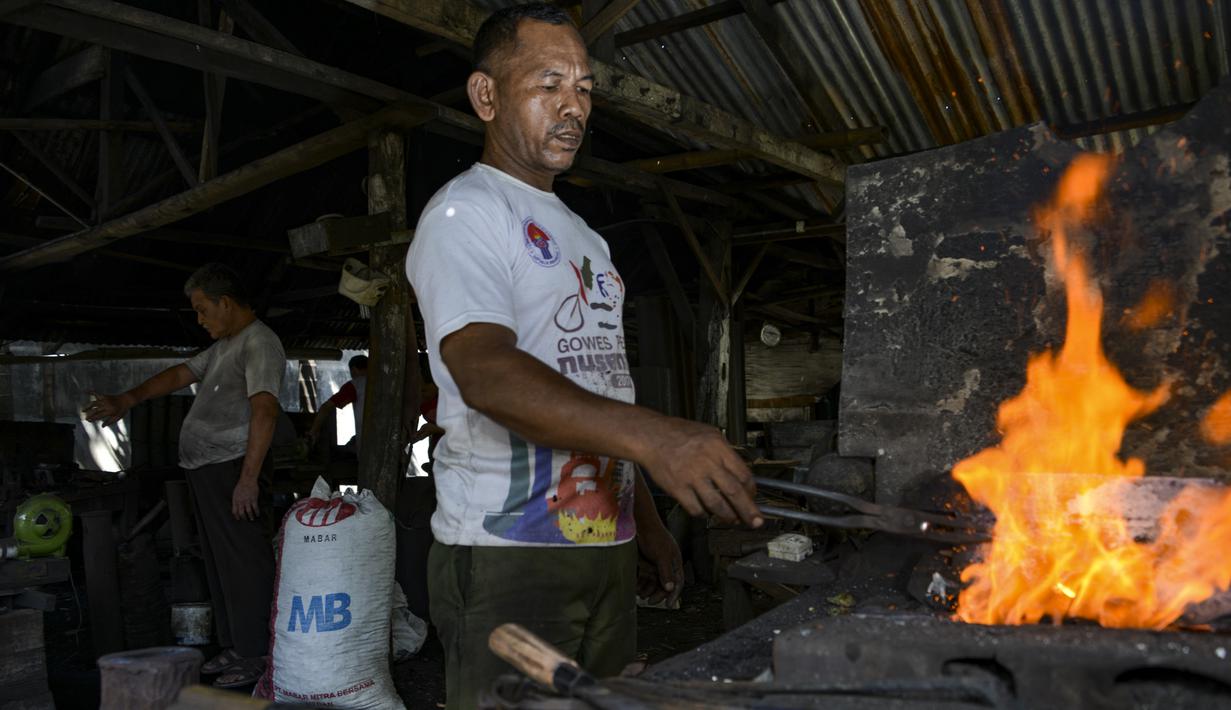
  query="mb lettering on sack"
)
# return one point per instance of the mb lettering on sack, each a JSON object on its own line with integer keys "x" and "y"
{"x": 336, "y": 607}
{"x": 329, "y": 612}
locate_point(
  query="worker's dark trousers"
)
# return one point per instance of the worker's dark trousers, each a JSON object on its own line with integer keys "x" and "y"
{"x": 239, "y": 560}
{"x": 580, "y": 599}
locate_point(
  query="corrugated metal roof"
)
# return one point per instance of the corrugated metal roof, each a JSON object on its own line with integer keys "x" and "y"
{"x": 938, "y": 72}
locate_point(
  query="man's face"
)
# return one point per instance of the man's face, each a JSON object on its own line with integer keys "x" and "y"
{"x": 542, "y": 97}
{"x": 213, "y": 316}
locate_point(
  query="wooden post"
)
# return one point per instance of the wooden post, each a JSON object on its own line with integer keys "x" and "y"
{"x": 713, "y": 333}
{"x": 380, "y": 452}
{"x": 215, "y": 91}
{"x": 111, "y": 143}
{"x": 737, "y": 402}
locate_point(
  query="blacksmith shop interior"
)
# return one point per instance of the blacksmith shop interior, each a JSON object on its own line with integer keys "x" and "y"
{"x": 627, "y": 354}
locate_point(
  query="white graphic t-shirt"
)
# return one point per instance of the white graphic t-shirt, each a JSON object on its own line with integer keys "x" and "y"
{"x": 490, "y": 248}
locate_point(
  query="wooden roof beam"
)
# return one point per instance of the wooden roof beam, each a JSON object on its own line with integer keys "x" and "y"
{"x": 606, "y": 19}
{"x": 289, "y": 161}
{"x": 149, "y": 34}
{"x": 93, "y": 124}
{"x": 679, "y": 23}
{"x": 85, "y": 67}
{"x": 629, "y": 94}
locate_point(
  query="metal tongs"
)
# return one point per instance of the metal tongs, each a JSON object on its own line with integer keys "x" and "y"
{"x": 937, "y": 527}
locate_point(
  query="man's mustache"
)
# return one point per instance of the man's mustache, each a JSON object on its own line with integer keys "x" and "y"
{"x": 570, "y": 125}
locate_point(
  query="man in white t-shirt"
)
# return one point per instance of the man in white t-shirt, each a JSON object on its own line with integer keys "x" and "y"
{"x": 539, "y": 497}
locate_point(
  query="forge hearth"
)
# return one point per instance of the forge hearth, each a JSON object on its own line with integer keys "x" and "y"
{"x": 1070, "y": 666}
{"x": 949, "y": 291}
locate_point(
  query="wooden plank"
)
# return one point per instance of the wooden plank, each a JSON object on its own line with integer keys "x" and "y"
{"x": 380, "y": 453}
{"x": 288, "y": 161}
{"x": 606, "y": 19}
{"x": 84, "y": 67}
{"x": 16, "y": 574}
{"x": 630, "y": 94}
{"x": 691, "y": 238}
{"x": 91, "y": 124}
{"x": 339, "y": 236}
{"x": 164, "y": 131}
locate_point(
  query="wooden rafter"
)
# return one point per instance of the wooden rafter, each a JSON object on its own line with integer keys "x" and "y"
{"x": 85, "y": 67}
{"x": 91, "y": 124}
{"x": 691, "y": 238}
{"x": 679, "y": 23}
{"x": 149, "y": 34}
{"x": 606, "y": 18}
{"x": 288, "y": 161}
{"x": 164, "y": 131}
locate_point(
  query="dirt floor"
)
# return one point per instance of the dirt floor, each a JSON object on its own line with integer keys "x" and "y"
{"x": 420, "y": 680}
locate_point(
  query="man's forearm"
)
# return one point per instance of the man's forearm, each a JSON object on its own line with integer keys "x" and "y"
{"x": 164, "y": 383}
{"x": 543, "y": 407}
{"x": 260, "y": 434}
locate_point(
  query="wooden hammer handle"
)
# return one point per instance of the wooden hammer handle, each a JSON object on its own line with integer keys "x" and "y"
{"x": 532, "y": 655}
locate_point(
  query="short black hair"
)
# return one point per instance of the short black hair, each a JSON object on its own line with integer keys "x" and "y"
{"x": 499, "y": 32}
{"x": 359, "y": 362}
{"x": 216, "y": 280}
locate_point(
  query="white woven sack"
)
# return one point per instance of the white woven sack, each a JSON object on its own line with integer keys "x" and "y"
{"x": 332, "y": 603}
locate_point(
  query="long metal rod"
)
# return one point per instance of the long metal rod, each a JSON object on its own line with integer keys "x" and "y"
{"x": 47, "y": 197}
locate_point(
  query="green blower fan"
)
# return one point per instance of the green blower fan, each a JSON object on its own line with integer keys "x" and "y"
{"x": 42, "y": 526}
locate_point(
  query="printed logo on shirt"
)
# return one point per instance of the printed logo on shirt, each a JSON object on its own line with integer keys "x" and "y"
{"x": 540, "y": 245}
{"x": 600, "y": 293}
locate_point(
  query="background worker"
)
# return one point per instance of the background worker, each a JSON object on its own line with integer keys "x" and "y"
{"x": 223, "y": 446}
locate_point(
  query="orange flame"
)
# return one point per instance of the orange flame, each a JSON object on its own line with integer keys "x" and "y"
{"x": 1216, "y": 426}
{"x": 1062, "y": 546}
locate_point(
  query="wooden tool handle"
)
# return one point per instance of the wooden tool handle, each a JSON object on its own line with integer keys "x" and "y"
{"x": 532, "y": 655}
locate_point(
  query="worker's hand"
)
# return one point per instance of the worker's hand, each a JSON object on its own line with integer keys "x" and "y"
{"x": 660, "y": 569}
{"x": 695, "y": 465}
{"x": 107, "y": 408}
{"x": 244, "y": 500}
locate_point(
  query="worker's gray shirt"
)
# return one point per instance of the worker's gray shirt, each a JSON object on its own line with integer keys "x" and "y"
{"x": 229, "y": 371}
